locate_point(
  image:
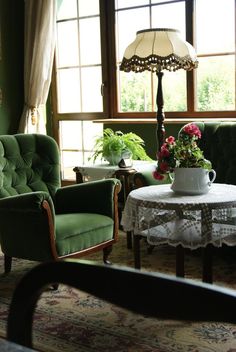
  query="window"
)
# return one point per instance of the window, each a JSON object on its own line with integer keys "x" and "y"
{"x": 76, "y": 144}
{"x": 137, "y": 92}
{"x": 213, "y": 86}
{"x": 91, "y": 38}
{"x": 216, "y": 52}
{"x": 79, "y": 81}
{"x": 79, "y": 65}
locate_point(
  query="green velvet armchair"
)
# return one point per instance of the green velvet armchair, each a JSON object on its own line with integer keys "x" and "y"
{"x": 39, "y": 219}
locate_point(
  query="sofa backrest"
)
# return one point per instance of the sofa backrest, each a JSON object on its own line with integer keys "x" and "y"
{"x": 28, "y": 163}
{"x": 219, "y": 145}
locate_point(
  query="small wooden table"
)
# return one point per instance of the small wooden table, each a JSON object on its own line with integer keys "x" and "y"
{"x": 182, "y": 221}
{"x": 99, "y": 171}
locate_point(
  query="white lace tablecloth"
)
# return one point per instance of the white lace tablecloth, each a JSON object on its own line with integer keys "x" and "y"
{"x": 193, "y": 221}
{"x": 105, "y": 170}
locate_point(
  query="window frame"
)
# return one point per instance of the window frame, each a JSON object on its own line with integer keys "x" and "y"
{"x": 108, "y": 52}
{"x": 190, "y": 113}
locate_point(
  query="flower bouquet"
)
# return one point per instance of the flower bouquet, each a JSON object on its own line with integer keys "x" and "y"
{"x": 181, "y": 153}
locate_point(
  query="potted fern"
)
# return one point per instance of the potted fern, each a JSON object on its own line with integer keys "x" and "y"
{"x": 116, "y": 145}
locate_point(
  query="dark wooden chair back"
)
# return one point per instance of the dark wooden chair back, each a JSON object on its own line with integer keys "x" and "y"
{"x": 139, "y": 292}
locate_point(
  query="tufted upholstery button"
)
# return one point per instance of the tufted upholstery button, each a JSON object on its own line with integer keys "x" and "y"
{"x": 27, "y": 165}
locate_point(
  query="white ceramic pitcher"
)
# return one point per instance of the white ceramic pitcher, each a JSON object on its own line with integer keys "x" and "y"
{"x": 192, "y": 180}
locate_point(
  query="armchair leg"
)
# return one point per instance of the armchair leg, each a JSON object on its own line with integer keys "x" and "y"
{"x": 137, "y": 255}
{"x": 7, "y": 264}
{"x": 55, "y": 286}
{"x": 106, "y": 253}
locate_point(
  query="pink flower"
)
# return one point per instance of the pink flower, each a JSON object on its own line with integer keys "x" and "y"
{"x": 164, "y": 146}
{"x": 192, "y": 130}
{"x": 164, "y": 166}
{"x": 164, "y": 153}
{"x": 157, "y": 175}
{"x": 170, "y": 140}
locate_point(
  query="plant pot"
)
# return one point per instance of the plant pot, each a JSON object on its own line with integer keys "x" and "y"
{"x": 192, "y": 180}
{"x": 114, "y": 158}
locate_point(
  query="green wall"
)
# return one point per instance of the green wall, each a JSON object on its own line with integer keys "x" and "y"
{"x": 11, "y": 64}
{"x": 147, "y": 132}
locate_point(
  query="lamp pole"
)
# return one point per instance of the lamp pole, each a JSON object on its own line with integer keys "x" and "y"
{"x": 160, "y": 130}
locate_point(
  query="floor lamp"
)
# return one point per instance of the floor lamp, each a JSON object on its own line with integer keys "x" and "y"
{"x": 155, "y": 50}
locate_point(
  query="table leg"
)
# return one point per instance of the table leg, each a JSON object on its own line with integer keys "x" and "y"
{"x": 124, "y": 176}
{"x": 79, "y": 176}
{"x": 180, "y": 261}
{"x": 207, "y": 272}
{"x": 129, "y": 239}
{"x": 207, "y": 275}
{"x": 137, "y": 257}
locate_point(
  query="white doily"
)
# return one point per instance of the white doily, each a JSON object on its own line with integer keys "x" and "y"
{"x": 192, "y": 221}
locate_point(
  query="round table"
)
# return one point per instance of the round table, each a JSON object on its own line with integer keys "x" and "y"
{"x": 183, "y": 221}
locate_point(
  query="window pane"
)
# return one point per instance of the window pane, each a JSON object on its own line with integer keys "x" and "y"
{"x": 164, "y": 16}
{"x": 215, "y": 31}
{"x": 88, "y": 7}
{"x": 79, "y": 136}
{"x": 91, "y": 89}
{"x": 71, "y": 159}
{"x": 90, "y": 132}
{"x": 137, "y": 19}
{"x": 79, "y": 48}
{"x": 130, "y": 3}
{"x": 70, "y": 135}
{"x": 68, "y": 161}
{"x": 135, "y": 90}
{"x": 68, "y": 90}
{"x": 174, "y": 90}
{"x": 216, "y": 83}
{"x": 90, "y": 44}
{"x": 67, "y": 50}
{"x": 159, "y": 1}
{"x": 66, "y": 9}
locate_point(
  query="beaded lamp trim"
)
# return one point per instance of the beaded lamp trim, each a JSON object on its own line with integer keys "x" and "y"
{"x": 155, "y": 63}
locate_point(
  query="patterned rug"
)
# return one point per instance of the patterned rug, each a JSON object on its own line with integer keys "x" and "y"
{"x": 69, "y": 320}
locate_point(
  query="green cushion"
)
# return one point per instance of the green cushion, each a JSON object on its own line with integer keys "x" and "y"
{"x": 78, "y": 231}
{"x": 145, "y": 178}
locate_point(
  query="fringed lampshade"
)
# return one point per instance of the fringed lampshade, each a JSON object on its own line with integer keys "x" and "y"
{"x": 156, "y": 50}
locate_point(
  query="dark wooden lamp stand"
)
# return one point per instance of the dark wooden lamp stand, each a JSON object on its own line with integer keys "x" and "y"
{"x": 160, "y": 131}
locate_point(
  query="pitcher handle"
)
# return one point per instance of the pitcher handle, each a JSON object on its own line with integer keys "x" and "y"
{"x": 213, "y": 177}
{"x": 171, "y": 177}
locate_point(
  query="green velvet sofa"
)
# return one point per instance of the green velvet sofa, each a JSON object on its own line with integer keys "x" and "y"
{"x": 219, "y": 145}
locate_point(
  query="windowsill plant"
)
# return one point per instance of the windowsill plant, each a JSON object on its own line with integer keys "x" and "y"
{"x": 115, "y": 145}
